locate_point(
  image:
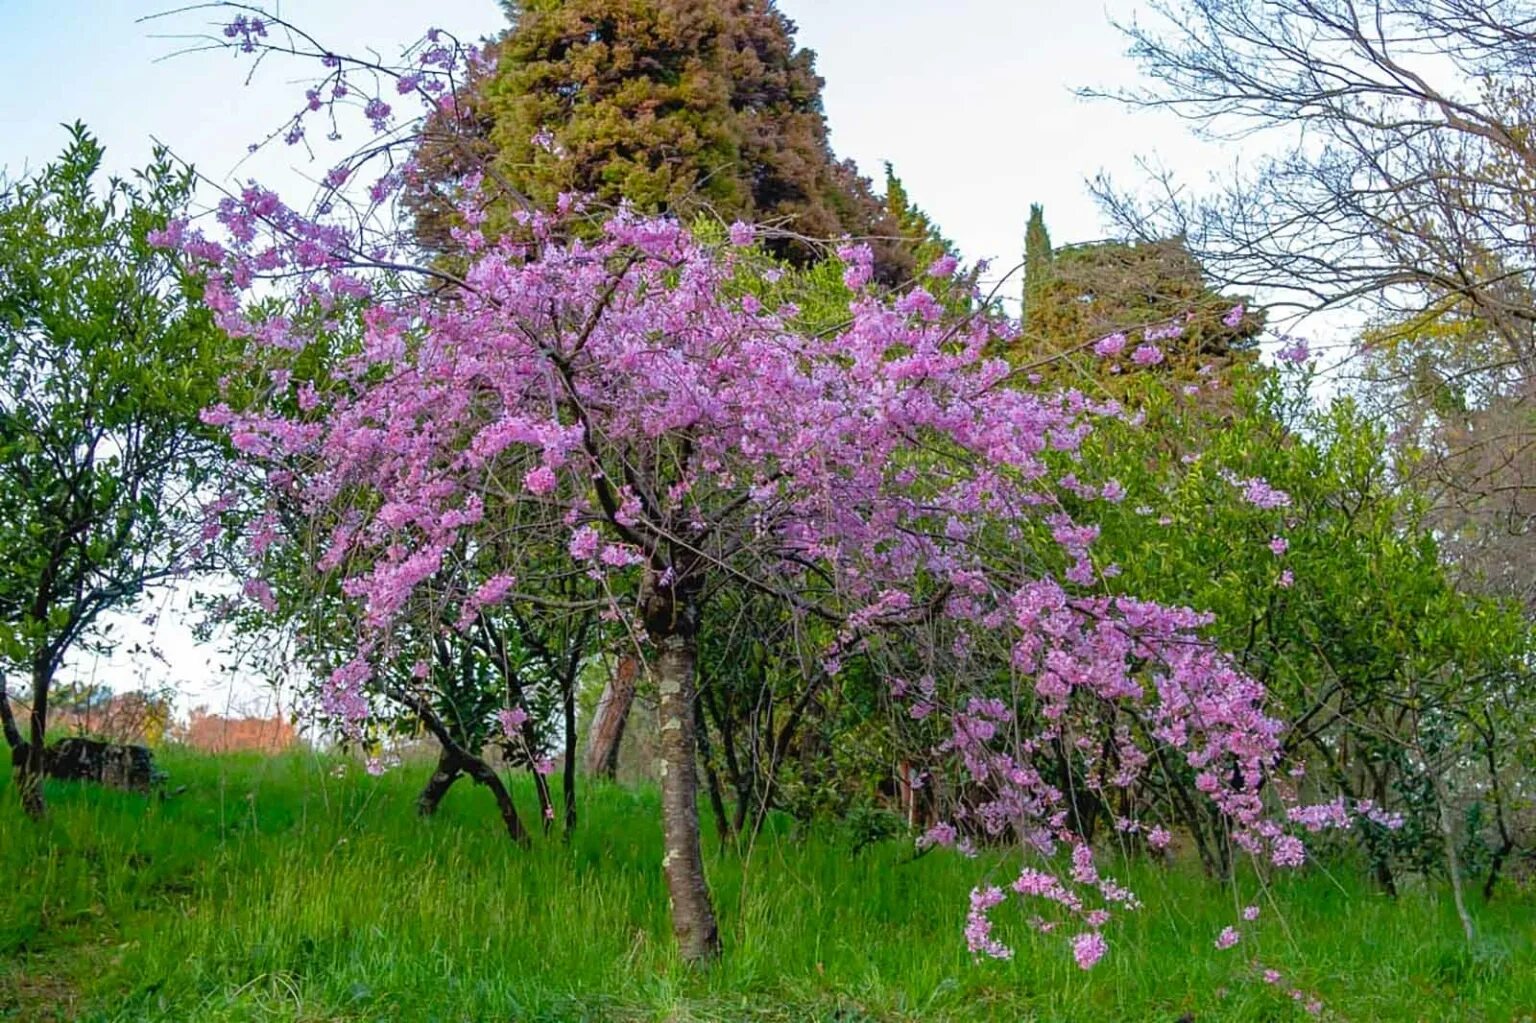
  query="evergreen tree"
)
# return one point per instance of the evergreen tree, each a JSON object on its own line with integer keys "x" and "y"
{"x": 1155, "y": 291}
{"x": 1037, "y": 263}
{"x": 676, "y": 106}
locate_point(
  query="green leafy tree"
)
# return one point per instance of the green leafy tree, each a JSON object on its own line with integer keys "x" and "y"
{"x": 104, "y": 465}
{"x": 1287, "y": 522}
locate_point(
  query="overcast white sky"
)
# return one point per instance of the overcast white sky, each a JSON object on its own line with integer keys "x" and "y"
{"x": 971, "y": 100}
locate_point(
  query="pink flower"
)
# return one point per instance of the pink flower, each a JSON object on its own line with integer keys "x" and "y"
{"x": 584, "y": 543}
{"x": 1114, "y": 344}
{"x": 261, "y": 592}
{"x": 1286, "y": 580}
{"x": 493, "y": 591}
{"x": 742, "y": 234}
{"x": 1228, "y": 937}
{"x": 1250, "y": 913}
{"x": 1288, "y": 851}
{"x": 943, "y": 267}
{"x": 378, "y": 112}
{"x": 1295, "y": 353}
{"x": 1147, "y": 355}
{"x": 1158, "y": 838}
{"x": 978, "y": 928}
{"x": 511, "y": 720}
{"x": 540, "y": 480}
{"x": 619, "y": 555}
{"x": 860, "y": 268}
{"x": 1088, "y": 948}
{"x": 545, "y": 766}
{"x": 1260, "y": 494}
{"x": 1279, "y": 545}
{"x": 1234, "y": 316}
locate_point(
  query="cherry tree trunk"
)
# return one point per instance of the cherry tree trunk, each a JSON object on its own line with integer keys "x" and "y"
{"x": 693, "y": 917}
{"x": 608, "y": 721}
{"x": 443, "y": 777}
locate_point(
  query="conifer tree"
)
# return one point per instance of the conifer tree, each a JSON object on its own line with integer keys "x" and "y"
{"x": 685, "y": 107}
{"x": 1078, "y": 297}
{"x": 1037, "y": 262}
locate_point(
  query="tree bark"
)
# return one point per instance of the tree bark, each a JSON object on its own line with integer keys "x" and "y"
{"x": 711, "y": 778}
{"x": 610, "y": 718}
{"x": 442, "y": 780}
{"x": 569, "y": 774}
{"x": 1452, "y": 855}
{"x": 540, "y": 781}
{"x": 1506, "y": 840}
{"x": 12, "y": 734}
{"x": 486, "y": 775}
{"x": 467, "y": 762}
{"x": 693, "y": 917}
{"x": 725, "y": 725}
{"x": 494, "y": 645}
{"x": 29, "y": 778}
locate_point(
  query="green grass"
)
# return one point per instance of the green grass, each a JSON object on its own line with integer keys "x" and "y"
{"x": 273, "y": 890}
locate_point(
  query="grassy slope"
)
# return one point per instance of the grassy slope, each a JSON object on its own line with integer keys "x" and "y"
{"x": 273, "y": 890}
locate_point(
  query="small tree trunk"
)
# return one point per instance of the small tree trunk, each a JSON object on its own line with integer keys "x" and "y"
{"x": 608, "y": 721}
{"x": 29, "y": 779}
{"x": 693, "y": 918}
{"x": 540, "y": 781}
{"x": 467, "y": 762}
{"x": 725, "y": 725}
{"x": 12, "y": 734}
{"x": 1452, "y": 855}
{"x": 1381, "y": 866}
{"x": 1506, "y": 840}
{"x": 907, "y": 795}
{"x": 486, "y": 775}
{"x": 442, "y": 780}
{"x": 570, "y": 747}
{"x": 711, "y": 778}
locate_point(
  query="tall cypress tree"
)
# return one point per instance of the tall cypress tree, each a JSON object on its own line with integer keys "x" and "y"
{"x": 1037, "y": 266}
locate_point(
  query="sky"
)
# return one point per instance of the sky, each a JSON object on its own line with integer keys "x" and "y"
{"x": 971, "y": 100}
